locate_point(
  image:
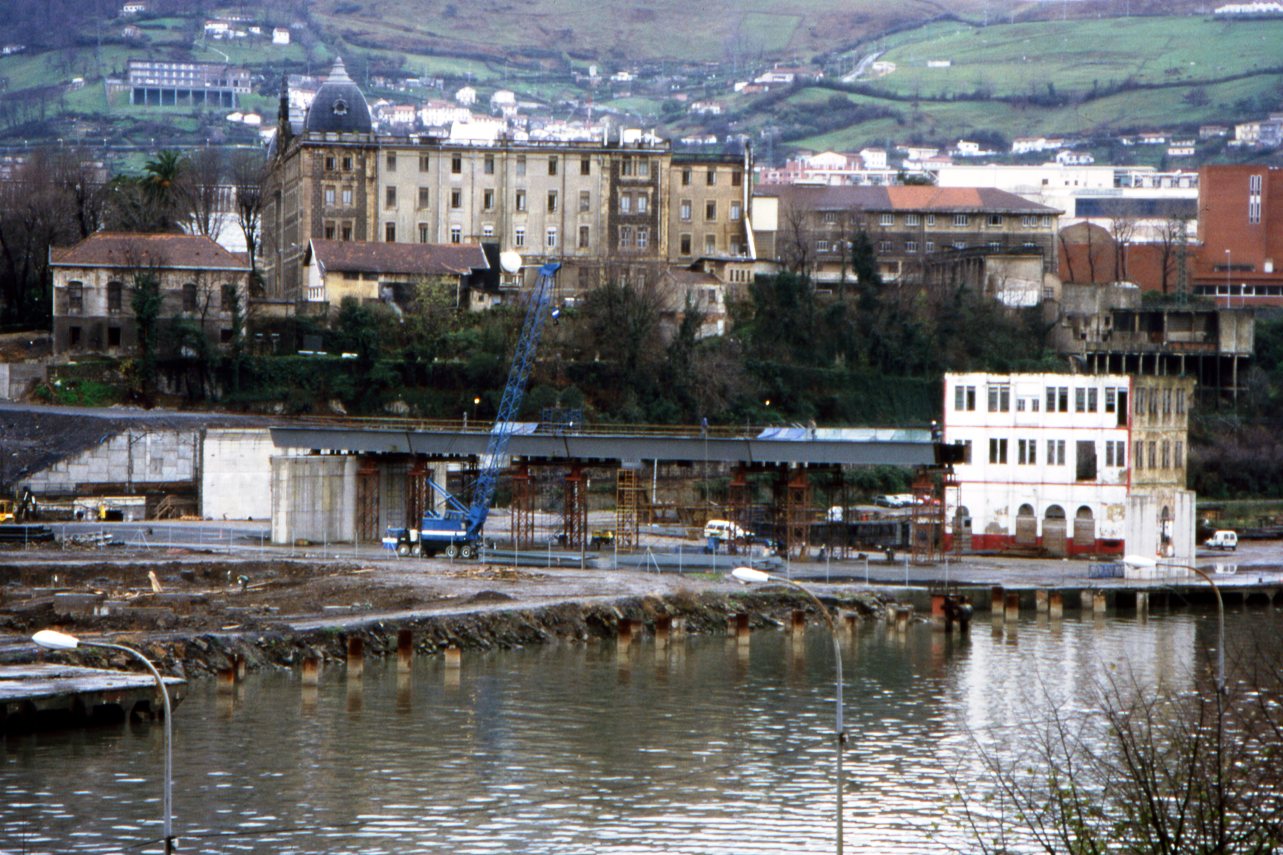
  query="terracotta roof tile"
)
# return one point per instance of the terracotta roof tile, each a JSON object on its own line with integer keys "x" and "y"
{"x": 407, "y": 259}
{"x": 131, "y": 249}
{"x": 904, "y": 198}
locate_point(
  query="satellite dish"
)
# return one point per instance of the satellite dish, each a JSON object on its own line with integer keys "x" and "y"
{"x": 510, "y": 261}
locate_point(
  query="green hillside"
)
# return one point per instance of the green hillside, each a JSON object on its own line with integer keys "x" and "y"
{"x": 1086, "y": 77}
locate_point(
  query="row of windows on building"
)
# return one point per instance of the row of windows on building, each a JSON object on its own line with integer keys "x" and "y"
{"x": 629, "y": 167}
{"x": 1086, "y": 399}
{"x": 116, "y": 297}
{"x": 1148, "y": 454}
{"x": 911, "y": 247}
{"x": 629, "y": 203}
{"x": 76, "y": 336}
{"x": 960, "y": 221}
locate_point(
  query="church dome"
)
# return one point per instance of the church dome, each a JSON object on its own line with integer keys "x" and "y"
{"x": 339, "y": 106}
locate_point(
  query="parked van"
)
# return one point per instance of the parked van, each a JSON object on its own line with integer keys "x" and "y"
{"x": 724, "y": 530}
{"x": 1223, "y": 540}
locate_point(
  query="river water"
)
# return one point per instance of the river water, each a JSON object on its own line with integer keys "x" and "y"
{"x": 705, "y": 747}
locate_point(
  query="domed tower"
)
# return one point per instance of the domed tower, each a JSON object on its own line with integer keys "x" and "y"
{"x": 339, "y": 106}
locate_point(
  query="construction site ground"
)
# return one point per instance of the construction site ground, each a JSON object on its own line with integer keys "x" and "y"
{"x": 211, "y": 577}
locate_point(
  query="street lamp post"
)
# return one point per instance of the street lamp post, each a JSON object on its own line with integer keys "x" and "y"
{"x": 1229, "y": 298}
{"x": 54, "y": 640}
{"x": 750, "y": 575}
{"x": 1141, "y": 561}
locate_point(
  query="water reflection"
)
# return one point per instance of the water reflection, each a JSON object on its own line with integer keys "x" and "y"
{"x": 713, "y": 745}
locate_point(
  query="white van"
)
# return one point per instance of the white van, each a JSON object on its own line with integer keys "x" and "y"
{"x": 1223, "y": 540}
{"x": 724, "y": 530}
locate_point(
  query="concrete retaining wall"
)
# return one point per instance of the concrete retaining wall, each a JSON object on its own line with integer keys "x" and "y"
{"x": 236, "y": 474}
{"x": 135, "y": 457}
{"x": 15, "y": 377}
{"x": 313, "y": 499}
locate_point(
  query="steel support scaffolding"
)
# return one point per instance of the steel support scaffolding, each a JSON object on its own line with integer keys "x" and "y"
{"x": 416, "y": 493}
{"x": 926, "y": 522}
{"x": 574, "y": 515}
{"x": 523, "y": 508}
{"x": 626, "y": 501}
{"x": 797, "y": 511}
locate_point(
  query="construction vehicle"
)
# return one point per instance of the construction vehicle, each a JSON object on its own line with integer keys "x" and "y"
{"x": 19, "y": 509}
{"x": 456, "y": 530}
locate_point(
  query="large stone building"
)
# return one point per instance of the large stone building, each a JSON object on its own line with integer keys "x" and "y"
{"x": 1071, "y": 464}
{"x": 94, "y": 282}
{"x": 987, "y": 237}
{"x": 603, "y": 208}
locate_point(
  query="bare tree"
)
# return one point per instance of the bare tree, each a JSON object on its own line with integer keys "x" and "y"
{"x": 1171, "y": 236}
{"x": 248, "y": 173}
{"x": 796, "y": 249}
{"x": 1152, "y": 771}
{"x": 202, "y": 191}
{"x": 1123, "y": 232}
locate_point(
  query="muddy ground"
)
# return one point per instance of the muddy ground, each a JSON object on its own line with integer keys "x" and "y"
{"x": 199, "y": 614}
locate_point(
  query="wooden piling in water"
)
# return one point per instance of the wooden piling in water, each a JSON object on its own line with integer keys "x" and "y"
{"x": 997, "y": 598}
{"x": 1099, "y": 605}
{"x": 355, "y": 657}
{"x": 1041, "y": 601}
{"x": 227, "y": 679}
{"x": 797, "y": 623}
{"x": 405, "y": 649}
{"x": 239, "y": 662}
{"x": 1012, "y": 610}
{"x": 311, "y": 671}
{"x": 742, "y": 629}
{"x": 1056, "y": 605}
{"x": 1086, "y": 599}
{"x": 663, "y": 629}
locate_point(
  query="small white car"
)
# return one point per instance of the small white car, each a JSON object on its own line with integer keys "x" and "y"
{"x": 725, "y": 530}
{"x": 1225, "y": 539}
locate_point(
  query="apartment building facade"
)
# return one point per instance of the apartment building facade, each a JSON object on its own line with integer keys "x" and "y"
{"x": 914, "y": 229}
{"x": 606, "y": 208}
{"x": 1071, "y": 464}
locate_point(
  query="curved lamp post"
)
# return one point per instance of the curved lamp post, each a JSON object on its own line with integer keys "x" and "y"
{"x": 1142, "y": 561}
{"x": 750, "y": 575}
{"x": 54, "y": 640}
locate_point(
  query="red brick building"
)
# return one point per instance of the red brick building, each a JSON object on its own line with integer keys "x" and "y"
{"x": 1240, "y": 231}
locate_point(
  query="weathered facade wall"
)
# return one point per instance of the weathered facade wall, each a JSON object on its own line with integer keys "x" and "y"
{"x": 130, "y": 458}
{"x": 314, "y": 499}
{"x": 236, "y": 474}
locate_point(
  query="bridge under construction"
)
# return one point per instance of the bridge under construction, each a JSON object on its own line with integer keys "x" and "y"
{"x": 348, "y": 482}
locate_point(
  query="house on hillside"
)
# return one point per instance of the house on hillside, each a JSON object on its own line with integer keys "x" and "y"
{"x": 94, "y": 283}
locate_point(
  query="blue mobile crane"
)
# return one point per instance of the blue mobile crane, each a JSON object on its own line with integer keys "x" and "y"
{"x": 456, "y": 530}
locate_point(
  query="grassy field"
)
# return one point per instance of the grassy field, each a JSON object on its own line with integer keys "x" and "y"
{"x": 627, "y": 31}
{"x": 1075, "y": 55}
{"x": 1194, "y": 71}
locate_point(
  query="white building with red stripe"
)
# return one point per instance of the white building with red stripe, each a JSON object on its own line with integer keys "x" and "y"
{"x": 1071, "y": 464}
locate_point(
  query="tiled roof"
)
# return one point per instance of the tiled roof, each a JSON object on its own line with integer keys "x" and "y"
{"x": 904, "y": 198}
{"x": 407, "y": 259}
{"x": 138, "y": 250}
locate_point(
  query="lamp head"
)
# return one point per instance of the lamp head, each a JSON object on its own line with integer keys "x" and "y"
{"x": 54, "y": 640}
{"x": 749, "y": 575}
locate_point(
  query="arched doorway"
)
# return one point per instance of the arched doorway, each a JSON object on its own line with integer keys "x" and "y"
{"x": 1026, "y": 526}
{"x": 1084, "y": 529}
{"x": 1054, "y": 532}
